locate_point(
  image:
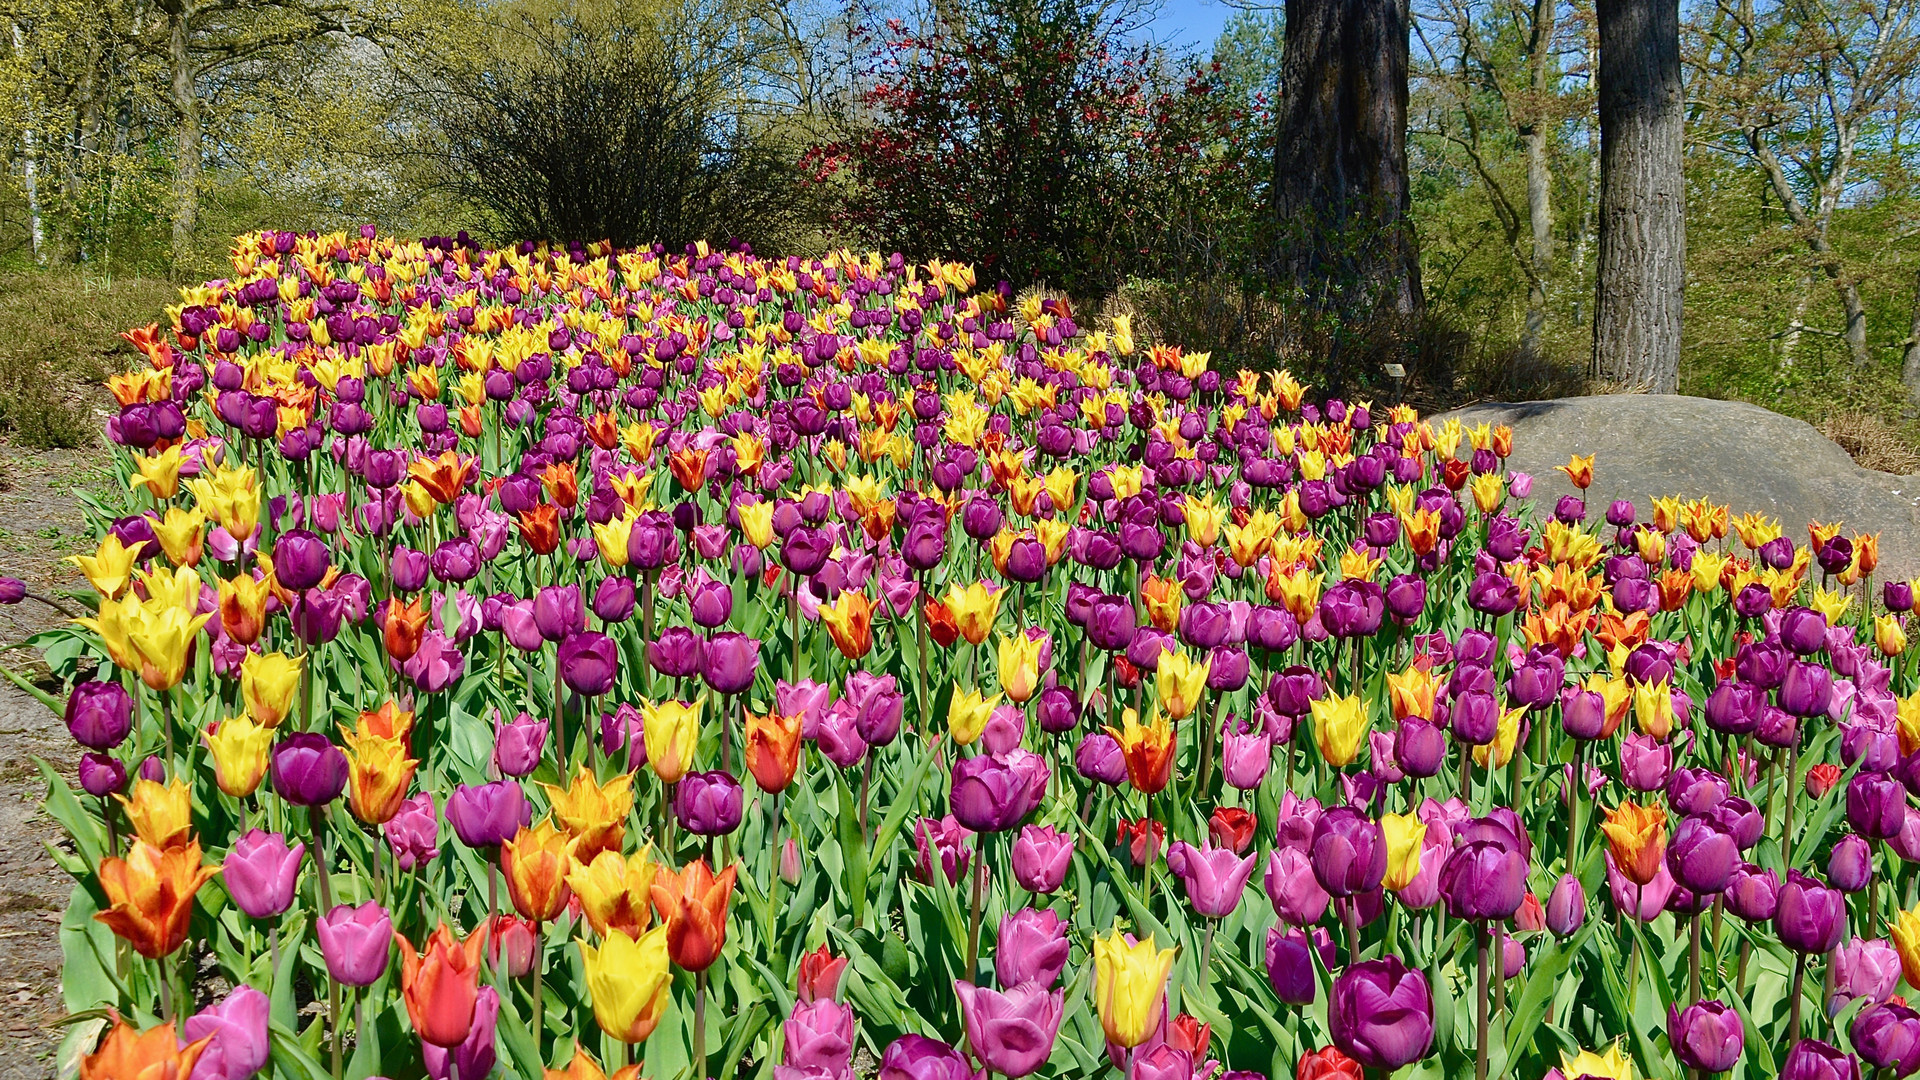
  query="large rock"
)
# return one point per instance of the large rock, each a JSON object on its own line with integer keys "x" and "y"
{"x": 1727, "y": 451}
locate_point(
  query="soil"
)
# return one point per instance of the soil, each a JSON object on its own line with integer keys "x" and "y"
{"x": 40, "y": 523}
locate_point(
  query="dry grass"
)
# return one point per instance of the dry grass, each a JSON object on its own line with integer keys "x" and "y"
{"x": 1872, "y": 441}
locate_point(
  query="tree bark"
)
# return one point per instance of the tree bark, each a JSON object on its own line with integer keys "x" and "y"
{"x": 187, "y": 134}
{"x": 1539, "y": 177}
{"x": 1341, "y": 198}
{"x": 1910, "y": 368}
{"x": 1643, "y": 238}
{"x": 30, "y": 162}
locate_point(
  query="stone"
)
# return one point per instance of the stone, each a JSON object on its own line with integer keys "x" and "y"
{"x": 1742, "y": 455}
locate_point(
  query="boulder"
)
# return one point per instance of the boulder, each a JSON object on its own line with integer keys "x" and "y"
{"x": 1728, "y": 451}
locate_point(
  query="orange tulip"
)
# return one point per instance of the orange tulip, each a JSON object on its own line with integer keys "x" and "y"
{"x": 387, "y": 722}
{"x": 1163, "y": 600}
{"x": 773, "y": 750}
{"x": 379, "y": 773}
{"x": 150, "y": 895}
{"x": 153, "y": 1054}
{"x": 162, "y": 814}
{"x": 562, "y": 483}
{"x": 693, "y": 904}
{"x": 536, "y": 861}
{"x": 1148, "y": 750}
{"x": 583, "y": 1067}
{"x": 441, "y": 986}
{"x": 1637, "y": 837}
{"x": 689, "y": 468}
{"x": 540, "y": 528}
{"x": 594, "y": 815}
{"x": 850, "y": 623}
{"x": 615, "y": 893}
{"x": 406, "y": 625}
{"x": 443, "y": 477}
{"x": 941, "y": 624}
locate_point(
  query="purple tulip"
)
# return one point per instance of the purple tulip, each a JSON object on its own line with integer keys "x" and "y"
{"x": 1032, "y": 947}
{"x": 1863, "y": 968}
{"x": 1887, "y": 1036}
{"x": 1041, "y": 857}
{"x": 677, "y": 653}
{"x": 414, "y": 832}
{"x": 237, "y": 1025}
{"x": 1806, "y": 690}
{"x": 613, "y": 599}
{"x": 1706, "y": 1035}
{"x": 589, "y": 662}
{"x": 1876, "y": 805}
{"x": 487, "y": 815}
{"x": 102, "y": 775}
{"x": 942, "y": 842}
{"x": 1381, "y": 1014}
{"x": 1646, "y": 763}
{"x": 729, "y": 662}
{"x": 355, "y": 942}
{"x": 1485, "y": 877}
{"x": 709, "y": 803}
{"x": 308, "y": 770}
{"x": 1290, "y": 962}
{"x": 916, "y": 1057}
{"x": 878, "y": 707}
{"x": 1214, "y": 877}
{"x": 1702, "y": 855}
{"x": 1753, "y": 894}
{"x": 559, "y": 611}
{"x": 1352, "y": 608}
{"x": 1292, "y": 888}
{"x": 992, "y": 792}
{"x": 1850, "y": 864}
{"x": 300, "y": 559}
{"x": 261, "y": 871}
{"x": 1809, "y": 916}
{"x": 1098, "y": 758}
{"x": 1811, "y": 1059}
{"x": 1012, "y": 1032}
{"x": 519, "y": 744}
{"x": 1566, "y": 906}
{"x": 99, "y": 714}
{"x": 819, "y": 1034}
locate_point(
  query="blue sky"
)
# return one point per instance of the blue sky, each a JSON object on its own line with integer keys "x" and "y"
{"x": 1191, "y": 23}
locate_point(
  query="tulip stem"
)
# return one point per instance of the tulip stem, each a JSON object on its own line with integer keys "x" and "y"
{"x": 793, "y": 618}
{"x": 973, "y": 922}
{"x": 1786, "y": 835}
{"x": 1799, "y": 991}
{"x": 539, "y": 1013}
{"x": 1693, "y": 960}
{"x": 700, "y": 1025}
{"x": 1480, "y": 1016}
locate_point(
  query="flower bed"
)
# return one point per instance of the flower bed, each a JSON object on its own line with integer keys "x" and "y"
{"x": 704, "y": 665}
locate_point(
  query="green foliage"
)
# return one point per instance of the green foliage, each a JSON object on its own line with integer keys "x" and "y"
{"x": 59, "y": 338}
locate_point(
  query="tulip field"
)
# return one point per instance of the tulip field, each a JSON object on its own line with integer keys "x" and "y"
{"x": 570, "y": 662}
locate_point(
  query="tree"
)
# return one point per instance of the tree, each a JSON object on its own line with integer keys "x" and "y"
{"x": 1029, "y": 136}
{"x": 1812, "y": 96}
{"x": 1343, "y": 238}
{"x": 1643, "y": 229}
{"x": 623, "y": 121}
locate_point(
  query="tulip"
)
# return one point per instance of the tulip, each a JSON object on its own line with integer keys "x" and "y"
{"x": 916, "y": 1057}
{"x": 153, "y": 1053}
{"x": 1809, "y": 916}
{"x": 474, "y": 1055}
{"x": 235, "y": 1032}
{"x": 441, "y": 985}
{"x": 1887, "y": 1036}
{"x": 101, "y": 775}
{"x": 1019, "y": 658}
{"x": 150, "y": 895}
{"x": 1703, "y": 854}
{"x": 693, "y": 904}
{"x": 100, "y": 715}
{"x": 535, "y": 863}
{"x": 1012, "y": 1032}
{"x": 1485, "y": 878}
{"x": 239, "y": 748}
{"x": 708, "y": 803}
{"x": 945, "y": 840}
{"x": 308, "y": 770}
{"x": 1130, "y": 981}
{"x": 1876, "y": 805}
{"x": 730, "y": 661}
{"x": 594, "y": 814}
{"x": 849, "y": 623}
{"x": 486, "y": 815}
{"x": 1292, "y": 887}
{"x": 1327, "y": 1063}
{"x": 1382, "y": 1014}
{"x": 1214, "y": 877}
{"x": 1348, "y": 852}
{"x": 1405, "y": 835}
{"x": 1147, "y": 750}
{"x": 414, "y": 832}
{"x": 1850, "y": 864}
{"x": 1340, "y": 728}
{"x": 261, "y": 873}
{"x": 1863, "y": 967}
{"x": 1032, "y": 947}
{"x": 773, "y": 750}
{"x": 519, "y": 744}
{"x": 354, "y": 941}
{"x": 1179, "y": 683}
{"x": 1637, "y": 838}
{"x": 628, "y": 980}
{"x": 1706, "y": 1035}
{"x": 267, "y": 684}
{"x": 1041, "y": 858}
{"x": 1290, "y": 963}
{"x": 672, "y": 733}
{"x": 589, "y": 663}
{"x": 1811, "y": 1059}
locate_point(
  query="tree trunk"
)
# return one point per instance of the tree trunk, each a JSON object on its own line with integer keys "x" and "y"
{"x": 30, "y": 161}
{"x": 1341, "y": 198}
{"x": 1910, "y": 369}
{"x": 1643, "y": 230}
{"x": 186, "y": 164}
{"x": 1539, "y": 178}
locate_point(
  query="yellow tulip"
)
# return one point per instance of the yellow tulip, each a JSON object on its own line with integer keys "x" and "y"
{"x": 1340, "y": 728}
{"x": 967, "y": 715}
{"x": 672, "y": 732}
{"x": 1404, "y": 834}
{"x": 158, "y": 473}
{"x": 1130, "y": 983}
{"x": 109, "y": 569}
{"x": 379, "y": 773}
{"x": 1833, "y": 605}
{"x": 267, "y": 684}
{"x": 1706, "y": 570}
{"x": 974, "y": 609}
{"x": 1612, "y": 1065}
{"x": 230, "y": 496}
{"x": 239, "y": 748}
{"x": 1653, "y": 709}
{"x": 181, "y": 534}
{"x": 1020, "y": 666}
{"x": 756, "y": 523}
{"x": 1203, "y": 519}
{"x": 111, "y": 624}
{"x": 628, "y": 981}
{"x": 1907, "y": 719}
{"x": 615, "y": 892}
{"x": 1063, "y": 485}
{"x": 1180, "y": 683}
{"x": 163, "y": 638}
{"x": 1489, "y": 489}
{"x": 611, "y": 538}
{"x": 175, "y": 588}
{"x": 1906, "y": 941}
{"x": 1889, "y": 635}
{"x": 162, "y": 814}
